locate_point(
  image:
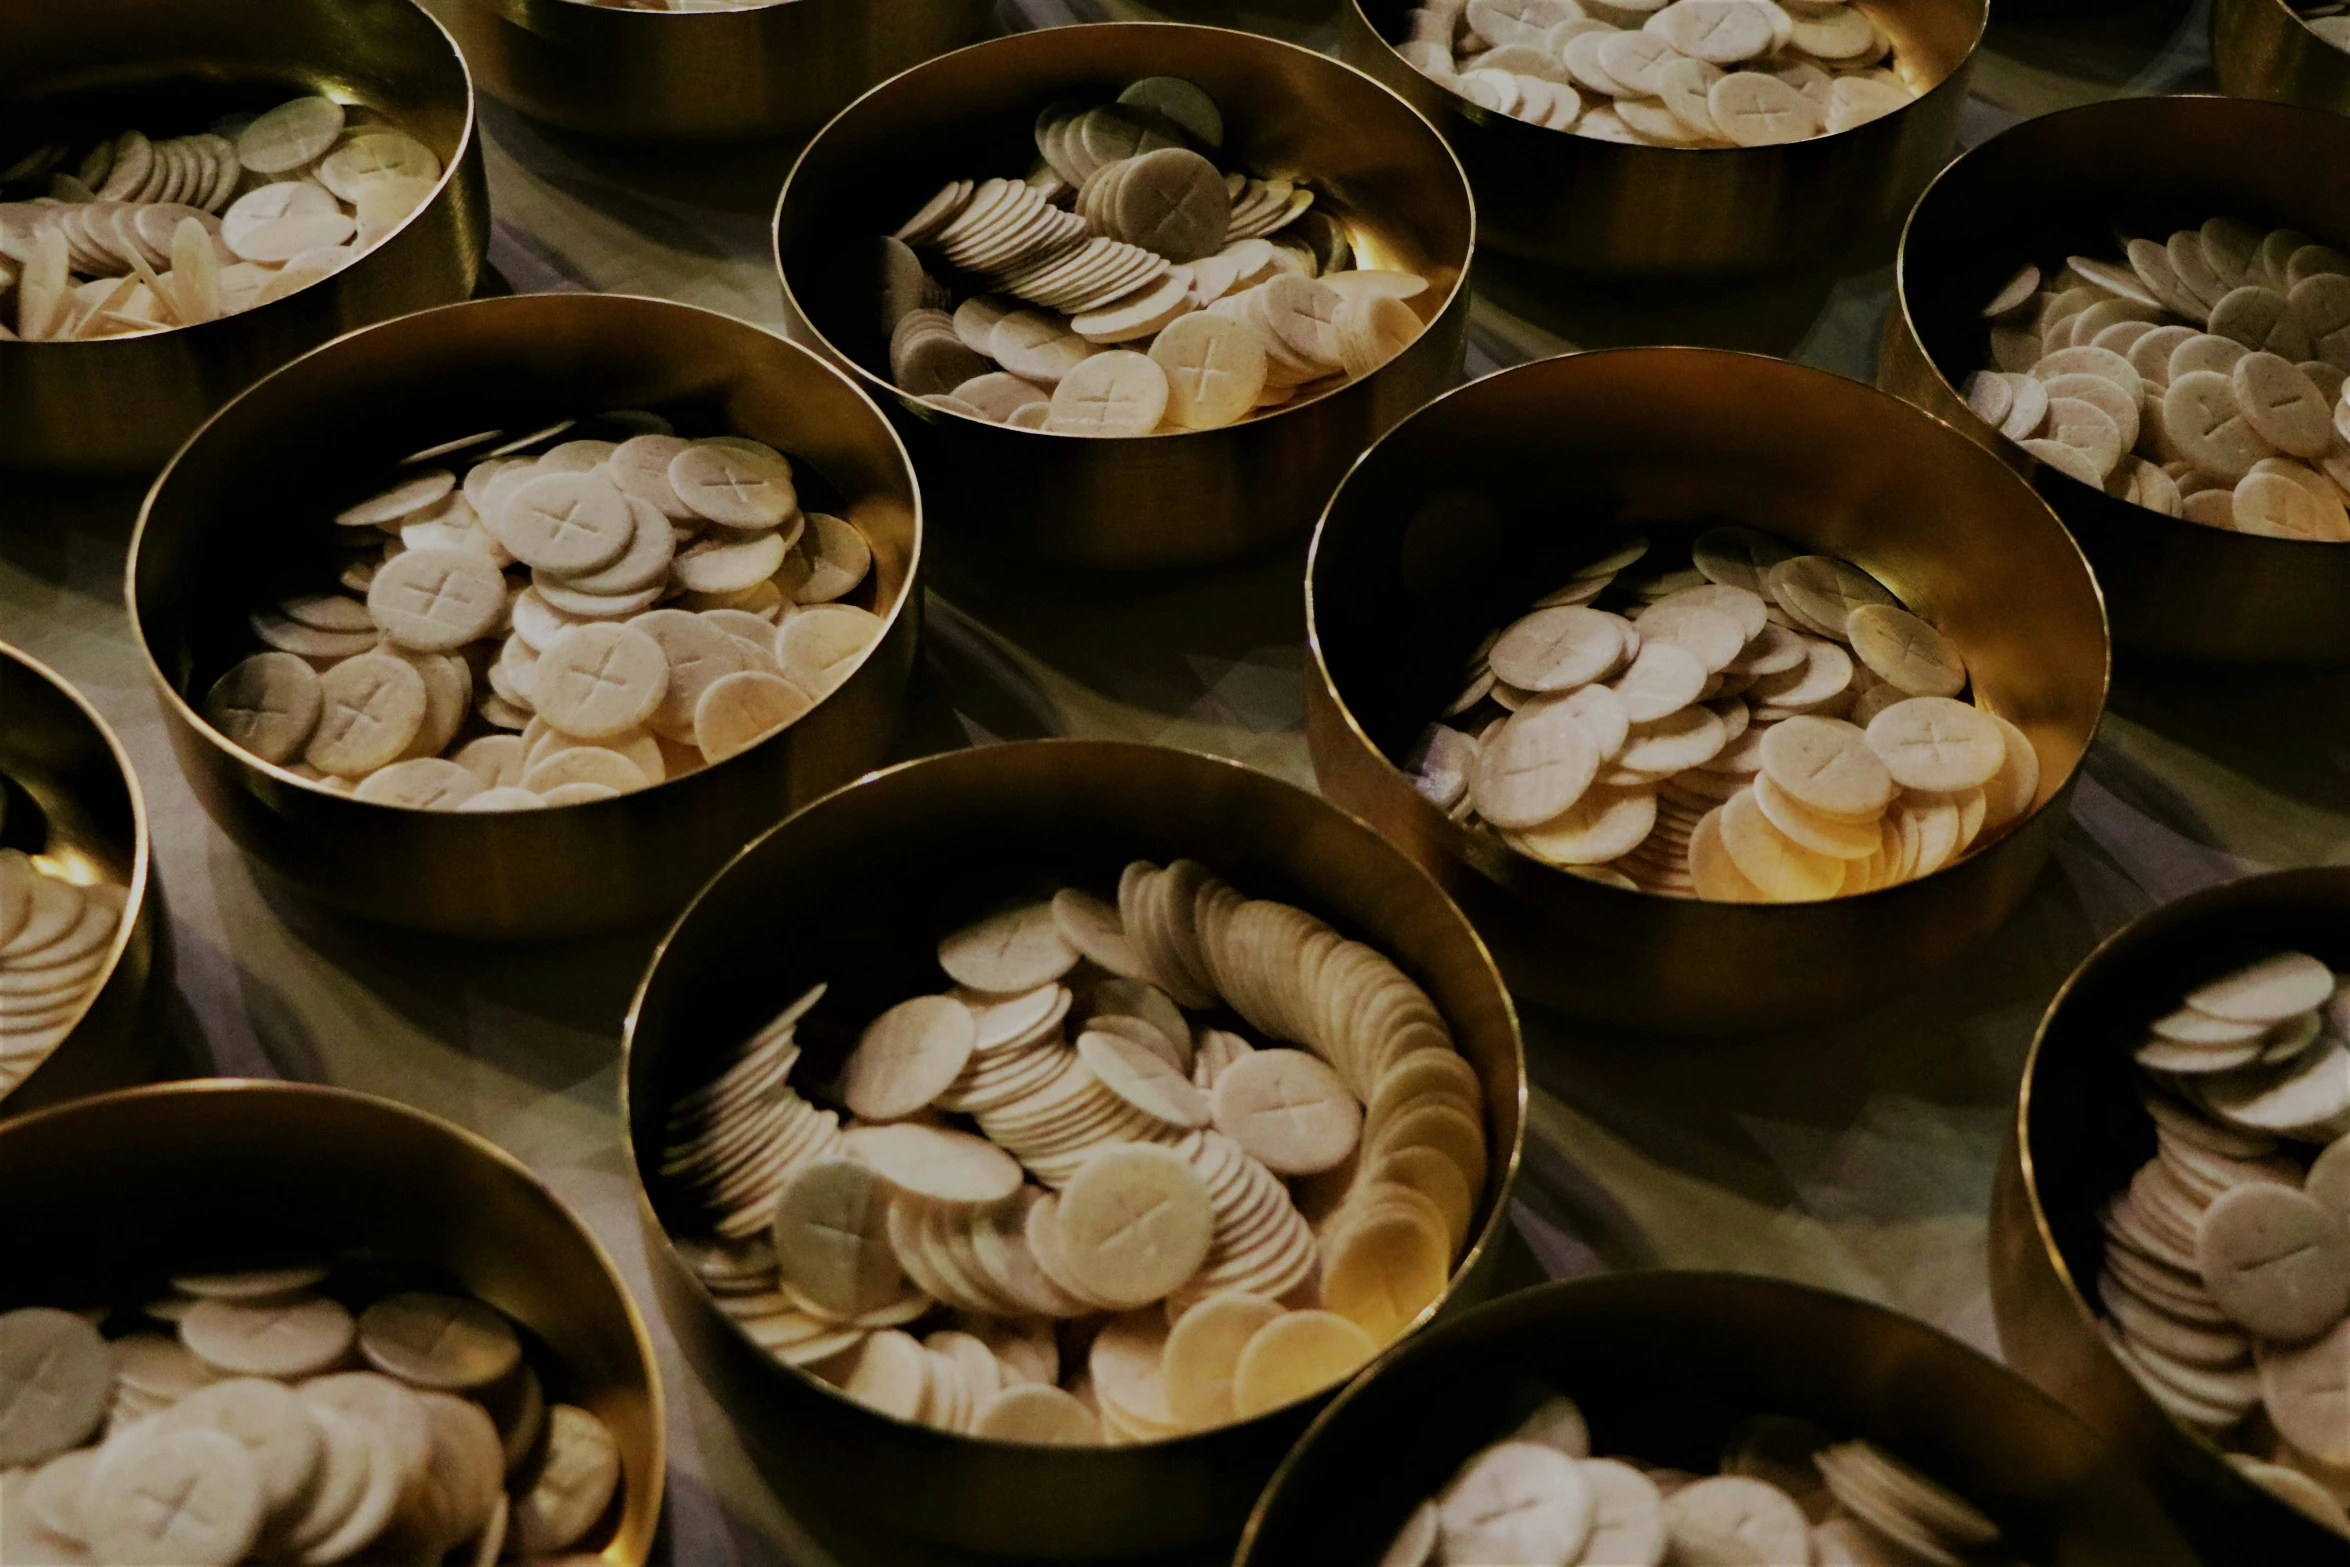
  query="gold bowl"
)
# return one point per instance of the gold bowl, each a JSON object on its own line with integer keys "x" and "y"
{"x": 2063, "y": 184}
{"x": 1597, "y": 206}
{"x": 868, "y": 876}
{"x": 2263, "y": 49}
{"x": 90, "y": 826}
{"x": 1161, "y": 500}
{"x": 1507, "y": 471}
{"x": 764, "y": 70}
{"x": 1665, "y": 1366}
{"x": 124, "y": 404}
{"x": 203, "y": 556}
{"x": 2080, "y": 1135}
{"x": 218, "y": 1173}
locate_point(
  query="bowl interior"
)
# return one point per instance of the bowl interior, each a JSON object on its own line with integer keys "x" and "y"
{"x": 72, "y": 799}
{"x": 1665, "y": 1367}
{"x": 2084, "y": 1137}
{"x": 97, "y": 67}
{"x": 2086, "y": 1133}
{"x": 1495, "y": 494}
{"x": 972, "y": 114}
{"x": 216, "y": 1175}
{"x": 70, "y": 794}
{"x": 2067, "y": 184}
{"x": 1931, "y": 39}
{"x": 855, "y": 892}
{"x": 243, "y": 515}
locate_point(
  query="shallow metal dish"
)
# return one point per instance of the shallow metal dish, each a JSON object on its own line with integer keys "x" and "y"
{"x": 1160, "y": 500}
{"x": 2060, "y": 185}
{"x": 2263, "y": 49}
{"x": 1665, "y": 1365}
{"x": 1597, "y": 206}
{"x": 1528, "y": 461}
{"x": 762, "y": 70}
{"x": 218, "y": 1173}
{"x": 124, "y": 405}
{"x": 2078, "y": 1137}
{"x": 515, "y": 364}
{"x": 864, "y": 881}
{"x": 83, "y": 812}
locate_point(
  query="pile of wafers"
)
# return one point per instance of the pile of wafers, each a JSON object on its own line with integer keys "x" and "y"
{"x": 1785, "y": 1494}
{"x": 1129, "y": 286}
{"x": 1147, "y": 1168}
{"x": 145, "y": 234}
{"x": 2200, "y": 377}
{"x": 636, "y": 604}
{"x": 302, "y": 1414}
{"x": 2226, "y": 1278}
{"x": 1761, "y": 725}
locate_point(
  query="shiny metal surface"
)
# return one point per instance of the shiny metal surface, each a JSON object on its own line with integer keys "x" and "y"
{"x": 2262, "y": 49}
{"x": 1163, "y": 500}
{"x": 763, "y": 70}
{"x": 89, "y": 821}
{"x": 854, "y": 891}
{"x": 219, "y": 1173}
{"x": 1597, "y": 206}
{"x": 2062, "y": 184}
{"x": 166, "y": 66}
{"x": 360, "y": 403}
{"x": 1665, "y": 1365}
{"x": 2080, "y": 1135}
{"x": 1492, "y": 494}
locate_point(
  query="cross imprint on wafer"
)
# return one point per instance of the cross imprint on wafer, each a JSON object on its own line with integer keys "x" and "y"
{"x": 600, "y": 676}
{"x": 263, "y": 710}
{"x": 740, "y": 488}
{"x": 1135, "y": 1222}
{"x": 565, "y": 523}
{"x": 433, "y": 600}
{"x": 161, "y": 1511}
{"x": 361, "y": 710}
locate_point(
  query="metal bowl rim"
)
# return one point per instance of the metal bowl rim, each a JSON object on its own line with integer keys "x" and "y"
{"x": 1477, "y": 114}
{"x": 188, "y": 714}
{"x": 879, "y": 385}
{"x": 2314, "y": 34}
{"x": 1496, "y": 1221}
{"x": 2021, "y": 1130}
{"x": 1540, "y": 1297}
{"x": 465, "y": 144}
{"x": 1908, "y": 322}
{"x": 648, "y": 1363}
{"x": 1550, "y": 874}
{"x": 619, "y": 10}
{"x": 2297, "y": 17}
{"x": 142, "y": 844}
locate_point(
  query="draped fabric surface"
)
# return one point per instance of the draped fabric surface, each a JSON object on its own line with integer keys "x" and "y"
{"x": 1858, "y": 1157}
